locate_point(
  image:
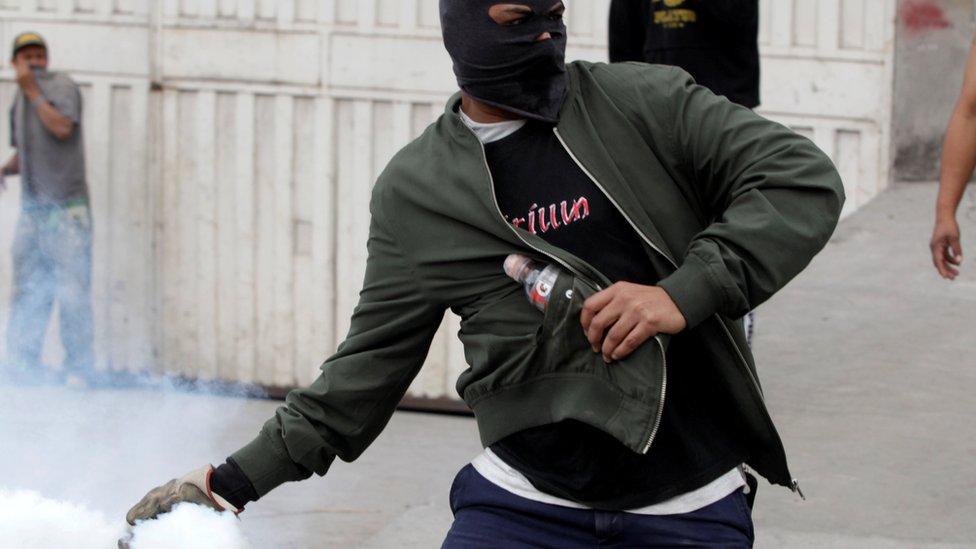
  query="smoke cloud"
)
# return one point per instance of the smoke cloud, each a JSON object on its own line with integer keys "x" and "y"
{"x": 102, "y": 450}
{"x": 30, "y": 521}
{"x": 190, "y": 526}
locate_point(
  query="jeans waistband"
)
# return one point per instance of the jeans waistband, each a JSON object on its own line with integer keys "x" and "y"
{"x": 42, "y": 208}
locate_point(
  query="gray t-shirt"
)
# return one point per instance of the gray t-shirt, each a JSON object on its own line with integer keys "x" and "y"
{"x": 52, "y": 171}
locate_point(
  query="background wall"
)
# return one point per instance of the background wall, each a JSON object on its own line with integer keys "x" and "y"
{"x": 232, "y": 145}
{"x": 827, "y": 73}
{"x": 934, "y": 37}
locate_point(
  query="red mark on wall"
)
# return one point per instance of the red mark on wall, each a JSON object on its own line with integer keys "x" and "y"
{"x": 922, "y": 15}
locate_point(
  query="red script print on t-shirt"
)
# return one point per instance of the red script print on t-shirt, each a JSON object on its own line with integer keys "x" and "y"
{"x": 553, "y": 216}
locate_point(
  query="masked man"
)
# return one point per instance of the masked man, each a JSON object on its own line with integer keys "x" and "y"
{"x": 52, "y": 248}
{"x": 620, "y": 416}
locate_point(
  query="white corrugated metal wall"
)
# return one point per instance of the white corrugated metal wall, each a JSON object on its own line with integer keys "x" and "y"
{"x": 232, "y": 145}
{"x": 827, "y": 73}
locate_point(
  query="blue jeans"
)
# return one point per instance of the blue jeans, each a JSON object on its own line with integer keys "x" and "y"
{"x": 52, "y": 263}
{"x": 488, "y": 516}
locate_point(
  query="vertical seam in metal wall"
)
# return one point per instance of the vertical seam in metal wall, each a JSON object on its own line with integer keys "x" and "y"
{"x": 334, "y": 223}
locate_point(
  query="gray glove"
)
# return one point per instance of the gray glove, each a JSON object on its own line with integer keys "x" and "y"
{"x": 194, "y": 487}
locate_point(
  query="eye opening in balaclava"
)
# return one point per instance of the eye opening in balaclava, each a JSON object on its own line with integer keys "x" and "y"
{"x": 513, "y": 13}
{"x": 506, "y": 65}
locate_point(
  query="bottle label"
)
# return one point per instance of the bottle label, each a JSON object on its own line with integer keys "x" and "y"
{"x": 539, "y": 294}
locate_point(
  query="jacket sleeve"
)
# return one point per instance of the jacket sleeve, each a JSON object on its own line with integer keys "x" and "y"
{"x": 628, "y": 29}
{"x": 772, "y": 198}
{"x": 348, "y": 405}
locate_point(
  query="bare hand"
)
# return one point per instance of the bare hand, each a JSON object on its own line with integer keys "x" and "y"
{"x": 625, "y": 315}
{"x": 946, "y": 249}
{"x": 26, "y": 80}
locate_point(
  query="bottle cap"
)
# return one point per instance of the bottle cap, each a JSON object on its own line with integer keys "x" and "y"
{"x": 517, "y": 266}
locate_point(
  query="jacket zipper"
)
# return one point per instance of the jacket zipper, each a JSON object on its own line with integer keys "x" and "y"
{"x": 498, "y": 210}
{"x": 664, "y": 383}
{"x": 794, "y": 484}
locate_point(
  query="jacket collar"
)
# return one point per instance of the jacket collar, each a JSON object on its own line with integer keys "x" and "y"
{"x": 585, "y": 110}
{"x": 579, "y": 133}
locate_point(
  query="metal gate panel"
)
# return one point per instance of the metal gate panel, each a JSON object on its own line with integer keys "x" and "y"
{"x": 827, "y": 70}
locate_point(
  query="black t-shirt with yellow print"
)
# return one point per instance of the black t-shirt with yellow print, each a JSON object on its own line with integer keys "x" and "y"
{"x": 716, "y": 41}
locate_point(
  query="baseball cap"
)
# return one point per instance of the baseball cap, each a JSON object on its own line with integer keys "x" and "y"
{"x": 28, "y": 38}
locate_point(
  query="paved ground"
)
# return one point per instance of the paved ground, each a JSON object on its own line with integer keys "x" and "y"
{"x": 866, "y": 360}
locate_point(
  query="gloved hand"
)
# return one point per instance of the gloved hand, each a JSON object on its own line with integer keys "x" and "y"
{"x": 194, "y": 487}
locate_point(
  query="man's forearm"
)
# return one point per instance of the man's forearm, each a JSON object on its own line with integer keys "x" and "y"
{"x": 12, "y": 167}
{"x": 58, "y": 124}
{"x": 958, "y": 160}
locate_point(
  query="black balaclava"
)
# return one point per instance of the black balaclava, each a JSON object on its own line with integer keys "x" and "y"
{"x": 504, "y": 66}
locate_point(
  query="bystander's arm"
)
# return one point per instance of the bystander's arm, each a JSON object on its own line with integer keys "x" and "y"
{"x": 12, "y": 167}
{"x": 958, "y": 161}
{"x": 58, "y": 124}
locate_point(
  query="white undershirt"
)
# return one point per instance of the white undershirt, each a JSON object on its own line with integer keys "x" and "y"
{"x": 501, "y": 474}
{"x": 492, "y": 131}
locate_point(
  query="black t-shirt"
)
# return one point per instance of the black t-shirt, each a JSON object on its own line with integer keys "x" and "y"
{"x": 716, "y": 41}
{"x": 541, "y": 189}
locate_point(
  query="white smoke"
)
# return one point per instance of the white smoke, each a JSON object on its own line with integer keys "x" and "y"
{"x": 95, "y": 453}
{"x": 30, "y": 521}
{"x": 190, "y": 526}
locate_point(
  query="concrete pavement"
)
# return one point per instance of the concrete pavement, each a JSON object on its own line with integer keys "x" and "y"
{"x": 869, "y": 369}
{"x": 866, "y": 360}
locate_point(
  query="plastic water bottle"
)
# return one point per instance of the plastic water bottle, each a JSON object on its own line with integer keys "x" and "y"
{"x": 537, "y": 278}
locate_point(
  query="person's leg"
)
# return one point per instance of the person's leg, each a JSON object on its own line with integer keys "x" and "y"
{"x": 71, "y": 253}
{"x": 31, "y": 301}
{"x": 486, "y": 516}
{"x": 725, "y": 523}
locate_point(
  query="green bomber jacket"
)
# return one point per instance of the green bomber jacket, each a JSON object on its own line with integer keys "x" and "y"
{"x": 729, "y": 205}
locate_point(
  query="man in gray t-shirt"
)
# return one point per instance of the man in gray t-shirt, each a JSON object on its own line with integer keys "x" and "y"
{"x": 52, "y": 248}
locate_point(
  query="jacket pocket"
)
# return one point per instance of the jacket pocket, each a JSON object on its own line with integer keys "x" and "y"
{"x": 566, "y": 350}
{"x": 500, "y": 336}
